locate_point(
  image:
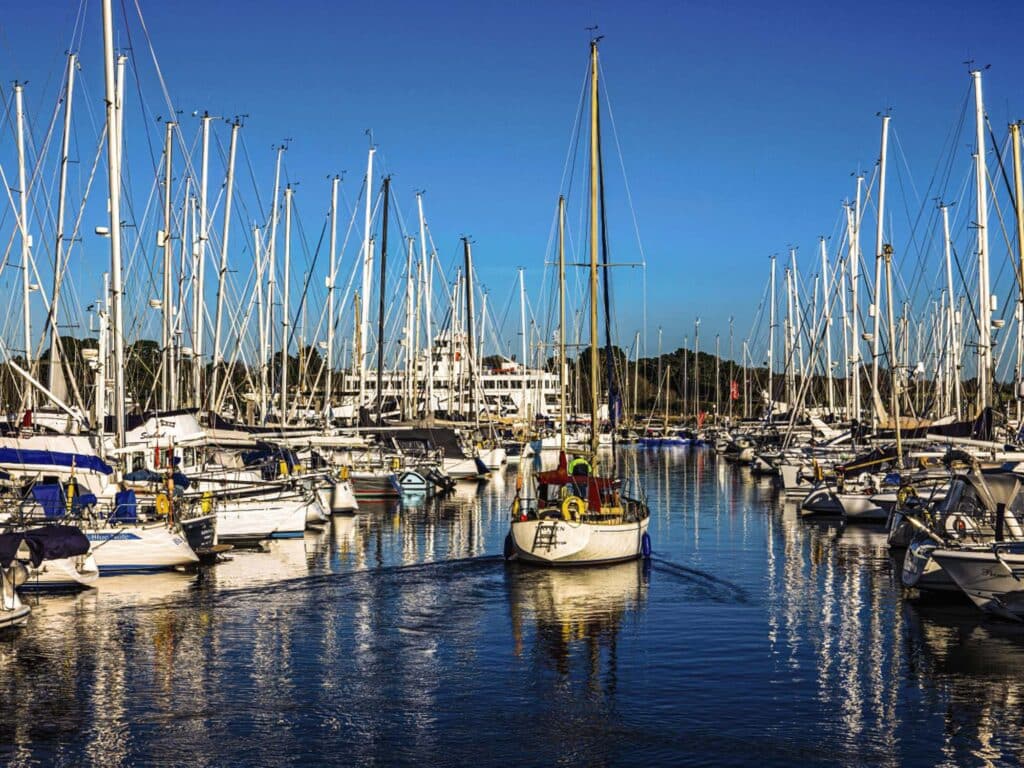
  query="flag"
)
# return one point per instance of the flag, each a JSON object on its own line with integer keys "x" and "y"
{"x": 734, "y": 390}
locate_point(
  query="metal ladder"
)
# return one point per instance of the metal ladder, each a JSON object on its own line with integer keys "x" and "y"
{"x": 546, "y": 536}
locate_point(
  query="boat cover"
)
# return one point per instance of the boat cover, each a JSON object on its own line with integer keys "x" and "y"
{"x": 54, "y": 458}
{"x": 126, "y": 506}
{"x": 51, "y": 542}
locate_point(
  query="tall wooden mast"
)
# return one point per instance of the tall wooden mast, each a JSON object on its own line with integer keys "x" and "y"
{"x": 594, "y": 149}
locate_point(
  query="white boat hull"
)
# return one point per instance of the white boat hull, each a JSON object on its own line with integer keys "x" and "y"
{"x": 861, "y": 508}
{"x": 261, "y": 517}
{"x": 996, "y": 585}
{"x": 139, "y": 548}
{"x": 338, "y": 497}
{"x": 459, "y": 468}
{"x": 560, "y": 542}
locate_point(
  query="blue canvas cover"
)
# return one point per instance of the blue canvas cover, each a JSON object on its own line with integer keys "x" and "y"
{"x": 126, "y": 506}
{"x": 54, "y": 458}
{"x": 50, "y": 497}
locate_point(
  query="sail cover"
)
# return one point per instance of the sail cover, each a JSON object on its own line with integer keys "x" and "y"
{"x": 51, "y": 542}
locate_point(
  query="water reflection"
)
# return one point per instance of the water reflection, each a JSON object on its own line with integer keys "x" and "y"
{"x": 399, "y": 635}
{"x": 574, "y": 614}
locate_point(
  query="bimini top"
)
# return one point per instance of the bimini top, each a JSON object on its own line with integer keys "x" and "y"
{"x": 37, "y": 457}
{"x": 51, "y": 542}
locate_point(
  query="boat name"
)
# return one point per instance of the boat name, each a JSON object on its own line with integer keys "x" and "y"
{"x": 109, "y": 536}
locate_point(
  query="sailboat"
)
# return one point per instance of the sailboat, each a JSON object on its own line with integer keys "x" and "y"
{"x": 579, "y": 518}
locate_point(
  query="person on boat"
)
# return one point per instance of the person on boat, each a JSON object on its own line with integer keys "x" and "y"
{"x": 579, "y": 469}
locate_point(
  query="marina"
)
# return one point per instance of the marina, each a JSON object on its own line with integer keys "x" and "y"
{"x": 563, "y": 462}
{"x": 400, "y": 636}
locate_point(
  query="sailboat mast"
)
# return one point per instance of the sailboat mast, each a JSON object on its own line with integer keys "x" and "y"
{"x": 428, "y": 411}
{"x": 594, "y": 181}
{"x": 1018, "y": 187}
{"x": 268, "y": 336}
{"x": 409, "y": 388}
{"x": 984, "y": 292}
{"x": 828, "y": 328}
{"x": 285, "y": 291}
{"x": 846, "y": 339}
{"x": 199, "y": 268}
{"x": 29, "y": 392}
{"x": 381, "y": 301}
{"x": 561, "y": 322}
{"x": 58, "y": 256}
{"x": 165, "y": 243}
{"x": 894, "y": 394}
{"x": 114, "y": 185}
{"x": 524, "y": 410}
{"x": 790, "y": 346}
{"x": 771, "y": 342}
{"x": 328, "y": 380}
{"x": 364, "y": 319}
{"x": 854, "y": 305}
{"x": 222, "y": 273}
{"x": 470, "y": 319}
{"x": 879, "y": 256}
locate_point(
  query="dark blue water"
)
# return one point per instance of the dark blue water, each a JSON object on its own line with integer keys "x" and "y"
{"x": 400, "y": 637}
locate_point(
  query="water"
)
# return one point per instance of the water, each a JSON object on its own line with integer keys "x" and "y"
{"x": 401, "y": 637}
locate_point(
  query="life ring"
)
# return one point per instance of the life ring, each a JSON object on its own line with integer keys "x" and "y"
{"x": 163, "y": 504}
{"x": 572, "y": 508}
{"x": 959, "y": 525}
{"x": 396, "y": 464}
{"x": 343, "y": 473}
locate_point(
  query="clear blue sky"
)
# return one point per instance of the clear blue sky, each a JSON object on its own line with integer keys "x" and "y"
{"x": 740, "y": 123}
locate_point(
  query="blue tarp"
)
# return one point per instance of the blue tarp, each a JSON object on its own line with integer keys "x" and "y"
{"x": 125, "y": 506}
{"x": 51, "y": 498}
{"x": 54, "y": 458}
{"x": 148, "y": 476}
{"x": 143, "y": 476}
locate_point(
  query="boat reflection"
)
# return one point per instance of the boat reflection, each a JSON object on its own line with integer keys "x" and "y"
{"x": 576, "y": 614}
{"x": 973, "y": 663}
{"x": 279, "y": 560}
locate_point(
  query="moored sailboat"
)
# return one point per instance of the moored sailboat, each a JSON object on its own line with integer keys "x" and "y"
{"x": 579, "y": 518}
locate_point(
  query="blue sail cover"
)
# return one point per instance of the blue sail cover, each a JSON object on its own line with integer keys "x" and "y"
{"x": 54, "y": 458}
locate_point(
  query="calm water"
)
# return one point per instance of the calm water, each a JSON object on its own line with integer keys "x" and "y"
{"x": 401, "y": 637}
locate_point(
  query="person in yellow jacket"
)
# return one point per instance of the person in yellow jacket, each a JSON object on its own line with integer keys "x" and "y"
{"x": 579, "y": 469}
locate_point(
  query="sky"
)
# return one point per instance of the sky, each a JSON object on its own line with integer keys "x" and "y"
{"x": 738, "y": 124}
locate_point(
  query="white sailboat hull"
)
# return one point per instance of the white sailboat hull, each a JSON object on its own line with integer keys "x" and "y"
{"x": 560, "y": 542}
{"x": 139, "y": 548}
{"x": 262, "y": 517}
